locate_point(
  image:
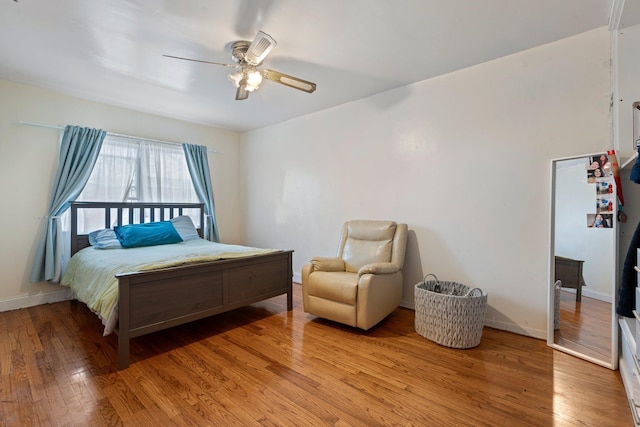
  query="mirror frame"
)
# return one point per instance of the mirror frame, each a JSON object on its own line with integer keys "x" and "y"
{"x": 613, "y": 362}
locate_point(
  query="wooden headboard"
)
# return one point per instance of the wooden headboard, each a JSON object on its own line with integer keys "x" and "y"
{"x": 129, "y": 213}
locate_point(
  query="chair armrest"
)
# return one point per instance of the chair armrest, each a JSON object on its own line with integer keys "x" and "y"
{"x": 379, "y": 268}
{"x": 327, "y": 264}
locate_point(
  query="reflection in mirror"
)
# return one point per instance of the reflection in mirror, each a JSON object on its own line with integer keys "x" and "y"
{"x": 582, "y": 260}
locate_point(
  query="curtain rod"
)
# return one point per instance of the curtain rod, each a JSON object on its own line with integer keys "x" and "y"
{"x": 139, "y": 138}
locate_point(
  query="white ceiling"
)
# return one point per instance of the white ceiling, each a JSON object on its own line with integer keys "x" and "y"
{"x": 111, "y": 51}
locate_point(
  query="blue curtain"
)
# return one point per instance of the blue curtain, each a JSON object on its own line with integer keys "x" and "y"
{"x": 198, "y": 164}
{"x": 79, "y": 149}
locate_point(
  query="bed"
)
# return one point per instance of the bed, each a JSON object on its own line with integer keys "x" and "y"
{"x": 166, "y": 294}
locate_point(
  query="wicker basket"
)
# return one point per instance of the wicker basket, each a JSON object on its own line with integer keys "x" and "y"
{"x": 449, "y": 313}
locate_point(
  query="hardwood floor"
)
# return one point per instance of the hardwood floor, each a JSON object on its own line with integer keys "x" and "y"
{"x": 262, "y": 365}
{"x": 585, "y": 326}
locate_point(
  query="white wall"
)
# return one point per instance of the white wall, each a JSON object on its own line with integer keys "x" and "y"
{"x": 463, "y": 159}
{"x": 28, "y": 161}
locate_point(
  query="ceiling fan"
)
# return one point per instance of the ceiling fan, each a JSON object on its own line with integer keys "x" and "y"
{"x": 247, "y": 57}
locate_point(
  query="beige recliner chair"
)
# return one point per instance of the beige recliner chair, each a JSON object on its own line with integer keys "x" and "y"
{"x": 363, "y": 284}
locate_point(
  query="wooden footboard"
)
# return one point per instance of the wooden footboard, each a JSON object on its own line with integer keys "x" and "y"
{"x": 155, "y": 300}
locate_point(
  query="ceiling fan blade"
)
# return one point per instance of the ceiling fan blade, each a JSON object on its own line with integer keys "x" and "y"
{"x": 260, "y": 47}
{"x": 242, "y": 93}
{"x": 204, "y": 62}
{"x": 290, "y": 81}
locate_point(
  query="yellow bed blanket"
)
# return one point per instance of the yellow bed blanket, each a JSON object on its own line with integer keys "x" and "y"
{"x": 91, "y": 272}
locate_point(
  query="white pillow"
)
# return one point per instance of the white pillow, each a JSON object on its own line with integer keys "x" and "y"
{"x": 185, "y": 228}
{"x": 104, "y": 239}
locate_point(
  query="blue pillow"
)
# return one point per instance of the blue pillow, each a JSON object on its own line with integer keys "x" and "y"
{"x": 104, "y": 239}
{"x": 185, "y": 228}
{"x": 148, "y": 234}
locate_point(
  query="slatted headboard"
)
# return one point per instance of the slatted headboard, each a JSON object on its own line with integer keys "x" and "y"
{"x": 129, "y": 213}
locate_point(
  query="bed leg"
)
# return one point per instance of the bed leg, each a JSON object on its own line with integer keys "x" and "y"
{"x": 123, "y": 323}
{"x": 123, "y": 352}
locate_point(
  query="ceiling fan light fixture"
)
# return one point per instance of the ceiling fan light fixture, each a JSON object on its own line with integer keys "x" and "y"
{"x": 250, "y": 78}
{"x": 247, "y": 56}
{"x": 254, "y": 78}
{"x": 235, "y": 78}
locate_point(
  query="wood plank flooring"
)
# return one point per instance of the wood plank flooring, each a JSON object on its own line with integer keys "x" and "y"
{"x": 262, "y": 365}
{"x": 585, "y": 326}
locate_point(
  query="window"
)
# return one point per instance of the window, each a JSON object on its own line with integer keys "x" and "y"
{"x": 135, "y": 170}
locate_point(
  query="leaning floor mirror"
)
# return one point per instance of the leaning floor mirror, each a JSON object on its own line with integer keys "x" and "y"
{"x": 583, "y": 259}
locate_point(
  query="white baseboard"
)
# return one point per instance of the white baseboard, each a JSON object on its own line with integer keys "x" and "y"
{"x": 590, "y": 294}
{"x": 498, "y": 324}
{"x": 408, "y": 304}
{"x": 516, "y": 329}
{"x": 25, "y": 301}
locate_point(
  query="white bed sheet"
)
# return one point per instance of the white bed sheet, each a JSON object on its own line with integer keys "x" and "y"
{"x": 91, "y": 272}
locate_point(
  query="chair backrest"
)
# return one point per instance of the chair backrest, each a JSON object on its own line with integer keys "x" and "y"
{"x": 364, "y": 242}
